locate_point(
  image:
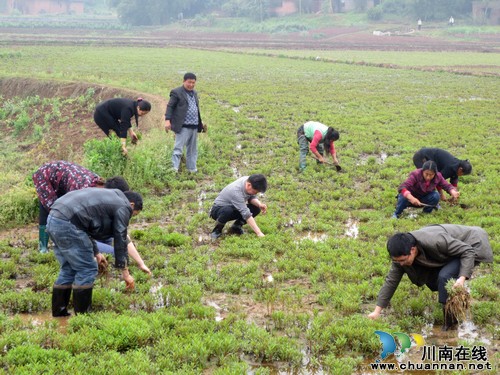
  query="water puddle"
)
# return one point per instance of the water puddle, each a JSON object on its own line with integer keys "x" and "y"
{"x": 201, "y": 197}
{"x": 218, "y": 310}
{"x": 314, "y": 237}
{"x": 236, "y": 173}
{"x": 44, "y": 318}
{"x": 372, "y": 159}
{"x": 236, "y": 109}
{"x": 352, "y": 228}
{"x": 160, "y": 302}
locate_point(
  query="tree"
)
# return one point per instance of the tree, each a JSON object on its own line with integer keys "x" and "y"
{"x": 155, "y": 12}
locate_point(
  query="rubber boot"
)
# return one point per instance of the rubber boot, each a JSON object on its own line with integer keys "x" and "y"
{"x": 60, "y": 300}
{"x": 450, "y": 321}
{"x": 236, "y": 228}
{"x": 43, "y": 239}
{"x": 82, "y": 299}
{"x": 217, "y": 231}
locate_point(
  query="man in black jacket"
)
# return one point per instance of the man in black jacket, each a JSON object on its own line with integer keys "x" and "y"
{"x": 184, "y": 119}
{"x": 75, "y": 221}
{"x": 449, "y": 166}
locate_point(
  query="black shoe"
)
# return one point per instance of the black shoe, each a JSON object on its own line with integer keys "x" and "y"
{"x": 82, "y": 299}
{"x": 215, "y": 234}
{"x": 217, "y": 231}
{"x": 236, "y": 229}
{"x": 60, "y": 300}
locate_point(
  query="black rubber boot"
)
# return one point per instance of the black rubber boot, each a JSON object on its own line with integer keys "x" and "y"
{"x": 60, "y": 300}
{"x": 450, "y": 321}
{"x": 236, "y": 228}
{"x": 217, "y": 231}
{"x": 82, "y": 299}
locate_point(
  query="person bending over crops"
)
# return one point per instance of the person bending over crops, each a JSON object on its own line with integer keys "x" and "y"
{"x": 431, "y": 256}
{"x": 317, "y": 137}
{"x": 449, "y": 166}
{"x": 420, "y": 189}
{"x": 238, "y": 201}
{"x": 115, "y": 114}
{"x": 56, "y": 178}
{"x": 76, "y": 219}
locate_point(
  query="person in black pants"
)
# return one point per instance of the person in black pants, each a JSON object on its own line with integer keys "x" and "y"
{"x": 115, "y": 114}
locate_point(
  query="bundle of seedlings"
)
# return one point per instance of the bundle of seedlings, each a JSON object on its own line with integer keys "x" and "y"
{"x": 103, "y": 271}
{"x": 458, "y": 302}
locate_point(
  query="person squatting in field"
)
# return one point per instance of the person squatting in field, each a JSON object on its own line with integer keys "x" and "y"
{"x": 419, "y": 189}
{"x": 431, "y": 256}
{"x": 75, "y": 221}
{"x": 183, "y": 118}
{"x": 449, "y": 166}
{"x": 115, "y": 114}
{"x": 317, "y": 137}
{"x": 238, "y": 201}
{"x": 56, "y": 178}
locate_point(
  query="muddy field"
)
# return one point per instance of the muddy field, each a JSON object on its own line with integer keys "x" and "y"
{"x": 352, "y": 38}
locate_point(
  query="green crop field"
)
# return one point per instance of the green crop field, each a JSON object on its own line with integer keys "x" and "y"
{"x": 210, "y": 307}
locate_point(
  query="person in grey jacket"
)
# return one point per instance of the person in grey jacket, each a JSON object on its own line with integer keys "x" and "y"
{"x": 183, "y": 118}
{"x": 431, "y": 256}
{"x": 238, "y": 201}
{"x": 75, "y": 222}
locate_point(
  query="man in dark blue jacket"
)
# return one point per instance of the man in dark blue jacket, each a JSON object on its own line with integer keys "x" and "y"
{"x": 75, "y": 221}
{"x": 184, "y": 119}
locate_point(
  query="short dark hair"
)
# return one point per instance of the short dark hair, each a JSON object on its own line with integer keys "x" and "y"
{"x": 134, "y": 198}
{"x": 466, "y": 166}
{"x": 400, "y": 244}
{"x": 117, "y": 182}
{"x": 189, "y": 76}
{"x": 258, "y": 182}
{"x": 143, "y": 105}
{"x": 430, "y": 165}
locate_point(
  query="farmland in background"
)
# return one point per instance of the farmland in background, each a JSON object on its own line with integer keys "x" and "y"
{"x": 210, "y": 306}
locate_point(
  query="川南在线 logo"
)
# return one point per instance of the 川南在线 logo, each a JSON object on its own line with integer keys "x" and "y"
{"x": 389, "y": 345}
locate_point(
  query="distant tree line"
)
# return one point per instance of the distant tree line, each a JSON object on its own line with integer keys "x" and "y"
{"x": 162, "y": 12}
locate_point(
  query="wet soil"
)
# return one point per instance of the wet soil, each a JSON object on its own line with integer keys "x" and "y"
{"x": 352, "y": 38}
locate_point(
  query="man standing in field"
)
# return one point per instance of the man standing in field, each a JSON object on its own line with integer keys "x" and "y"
{"x": 238, "y": 201}
{"x": 431, "y": 256}
{"x": 184, "y": 119}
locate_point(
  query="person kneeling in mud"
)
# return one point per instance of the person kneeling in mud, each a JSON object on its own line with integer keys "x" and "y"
{"x": 238, "y": 201}
{"x": 75, "y": 221}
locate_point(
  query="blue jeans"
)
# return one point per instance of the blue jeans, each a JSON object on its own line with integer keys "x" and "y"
{"x": 440, "y": 277}
{"x": 430, "y": 199}
{"x": 104, "y": 248}
{"x": 188, "y": 137}
{"x": 74, "y": 252}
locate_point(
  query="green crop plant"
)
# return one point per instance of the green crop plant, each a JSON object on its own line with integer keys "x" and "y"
{"x": 324, "y": 280}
